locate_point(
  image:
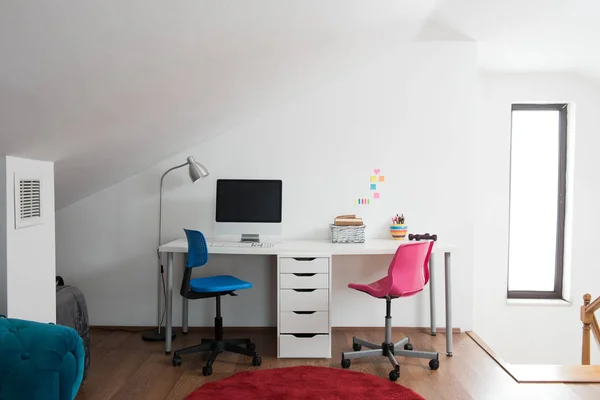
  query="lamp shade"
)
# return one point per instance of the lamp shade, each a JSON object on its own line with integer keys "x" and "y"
{"x": 197, "y": 170}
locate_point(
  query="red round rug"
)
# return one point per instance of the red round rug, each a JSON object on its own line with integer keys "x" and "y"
{"x": 303, "y": 382}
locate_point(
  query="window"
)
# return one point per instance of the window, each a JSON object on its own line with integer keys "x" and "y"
{"x": 538, "y": 153}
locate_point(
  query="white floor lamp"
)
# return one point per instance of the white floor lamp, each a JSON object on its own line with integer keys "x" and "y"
{"x": 197, "y": 171}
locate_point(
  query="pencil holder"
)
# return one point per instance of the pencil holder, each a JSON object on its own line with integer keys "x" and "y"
{"x": 398, "y": 231}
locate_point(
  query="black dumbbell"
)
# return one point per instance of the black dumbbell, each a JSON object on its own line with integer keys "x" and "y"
{"x": 422, "y": 236}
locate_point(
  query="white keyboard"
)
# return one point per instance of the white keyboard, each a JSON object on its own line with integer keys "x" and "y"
{"x": 244, "y": 244}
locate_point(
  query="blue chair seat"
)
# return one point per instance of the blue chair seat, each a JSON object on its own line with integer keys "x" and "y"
{"x": 219, "y": 283}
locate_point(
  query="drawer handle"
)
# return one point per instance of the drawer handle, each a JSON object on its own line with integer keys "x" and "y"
{"x": 304, "y": 335}
{"x": 304, "y": 312}
{"x": 305, "y": 258}
{"x": 304, "y": 290}
{"x": 304, "y": 274}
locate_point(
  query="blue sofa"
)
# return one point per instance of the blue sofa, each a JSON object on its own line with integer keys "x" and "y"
{"x": 39, "y": 361}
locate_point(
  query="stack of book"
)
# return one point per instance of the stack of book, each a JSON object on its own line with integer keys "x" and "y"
{"x": 348, "y": 220}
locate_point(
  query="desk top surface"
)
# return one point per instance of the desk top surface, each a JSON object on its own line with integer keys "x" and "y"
{"x": 313, "y": 247}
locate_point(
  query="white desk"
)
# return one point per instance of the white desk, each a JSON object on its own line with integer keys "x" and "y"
{"x": 312, "y": 248}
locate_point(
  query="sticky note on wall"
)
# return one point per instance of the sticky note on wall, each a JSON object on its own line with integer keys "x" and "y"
{"x": 376, "y": 195}
{"x": 381, "y": 178}
{"x": 373, "y": 186}
{"x": 373, "y": 178}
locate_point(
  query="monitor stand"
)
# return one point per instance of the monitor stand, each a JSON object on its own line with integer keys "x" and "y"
{"x": 251, "y": 237}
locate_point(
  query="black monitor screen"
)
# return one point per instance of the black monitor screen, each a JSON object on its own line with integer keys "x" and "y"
{"x": 248, "y": 200}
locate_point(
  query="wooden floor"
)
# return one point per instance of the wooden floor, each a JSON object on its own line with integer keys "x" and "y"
{"x": 531, "y": 373}
{"x": 125, "y": 367}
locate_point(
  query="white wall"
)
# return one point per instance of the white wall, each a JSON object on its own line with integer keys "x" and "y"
{"x": 30, "y": 252}
{"x": 406, "y": 112}
{"x": 534, "y": 333}
{"x": 3, "y": 218}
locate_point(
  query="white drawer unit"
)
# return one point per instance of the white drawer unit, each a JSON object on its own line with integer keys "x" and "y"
{"x": 304, "y": 322}
{"x": 306, "y": 280}
{"x": 291, "y": 265}
{"x": 304, "y": 299}
{"x": 304, "y": 346}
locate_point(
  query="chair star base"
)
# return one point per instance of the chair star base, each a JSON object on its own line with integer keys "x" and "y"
{"x": 216, "y": 347}
{"x": 388, "y": 349}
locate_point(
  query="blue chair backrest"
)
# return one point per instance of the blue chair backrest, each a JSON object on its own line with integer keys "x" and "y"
{"x": 197, "y": 249}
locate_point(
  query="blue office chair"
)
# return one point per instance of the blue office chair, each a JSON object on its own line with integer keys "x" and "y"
{"x": 213, "y": 286}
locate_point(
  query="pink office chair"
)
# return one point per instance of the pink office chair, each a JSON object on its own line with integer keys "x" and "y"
{"x": 407, "y": 275}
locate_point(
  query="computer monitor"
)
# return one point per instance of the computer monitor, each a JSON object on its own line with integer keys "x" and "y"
{"x": 249, "y": 207}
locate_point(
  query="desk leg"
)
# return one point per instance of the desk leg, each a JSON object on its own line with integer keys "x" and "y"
{"x": 169, "y": 304}
{"x": 448, "y": 280}
{"x": 432, "y": 295}
{"x": 159, "y": 295}
{"x": 185, "y": 309}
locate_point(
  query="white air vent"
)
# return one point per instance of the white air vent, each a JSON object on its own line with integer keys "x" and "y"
{"x": 28, "y": 202}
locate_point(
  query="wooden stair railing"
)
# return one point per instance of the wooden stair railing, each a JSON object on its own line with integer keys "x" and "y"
{"x": 588, "y": 318}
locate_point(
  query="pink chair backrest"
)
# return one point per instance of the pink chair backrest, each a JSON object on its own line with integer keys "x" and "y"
{"x": 409, "y": 269}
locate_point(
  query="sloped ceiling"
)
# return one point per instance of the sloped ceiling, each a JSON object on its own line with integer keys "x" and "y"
{"x": 529, "y": 35}
{"x": 108, "y": 88}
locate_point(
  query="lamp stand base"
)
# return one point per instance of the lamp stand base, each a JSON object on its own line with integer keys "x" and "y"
{"x": 155, "y": 336}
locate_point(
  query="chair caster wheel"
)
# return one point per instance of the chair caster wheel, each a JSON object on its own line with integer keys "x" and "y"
{"x": 346, "y": 363}
{"x": 177, "y": 361}
{"x": 206, "y": 371}
{"x": 434, "y": 364}
{"x": 256, "y": 360}
{"x": 394, "y": 375}
{"x": 408, "y": 347}
{"x": 356, "y": 346}
{"x": 251, "y": 346}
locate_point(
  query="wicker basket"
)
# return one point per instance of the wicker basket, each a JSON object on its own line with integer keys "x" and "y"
{"x": 347, "y": 234}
